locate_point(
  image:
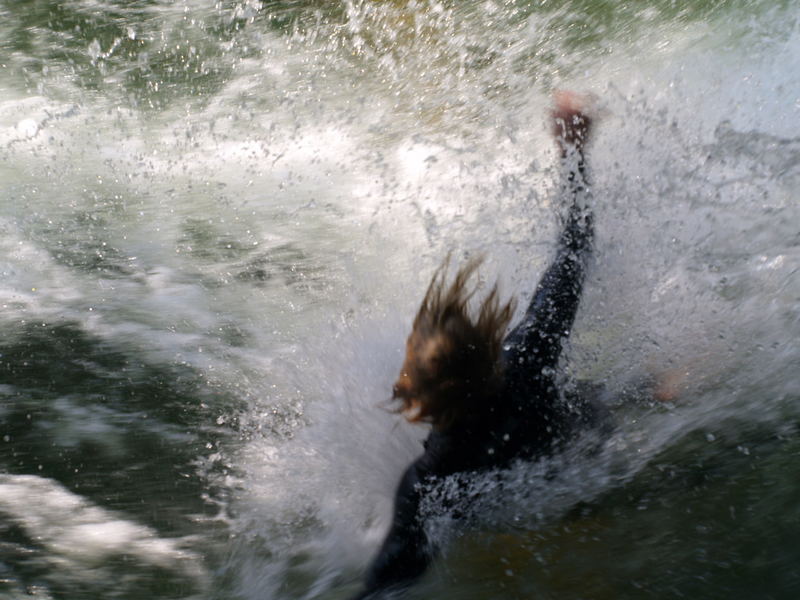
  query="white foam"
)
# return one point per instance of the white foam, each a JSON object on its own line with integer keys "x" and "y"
{"x": 81, "y": 536}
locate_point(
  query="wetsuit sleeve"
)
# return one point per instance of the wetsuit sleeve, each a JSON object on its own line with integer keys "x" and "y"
{"x": 534, "y": 346}
{"x": 405, "y": 553}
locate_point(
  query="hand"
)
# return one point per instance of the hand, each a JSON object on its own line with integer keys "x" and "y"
{"x": 571, "y": 124}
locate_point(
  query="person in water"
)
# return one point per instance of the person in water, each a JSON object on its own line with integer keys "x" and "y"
{"x": 490, "y": 399}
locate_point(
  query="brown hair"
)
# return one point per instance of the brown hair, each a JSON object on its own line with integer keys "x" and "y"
{"x": 453, "y": 356}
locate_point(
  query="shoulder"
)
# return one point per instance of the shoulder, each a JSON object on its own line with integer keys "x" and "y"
{"x": 440, "y": 447}
{"x": 467, "y": 448}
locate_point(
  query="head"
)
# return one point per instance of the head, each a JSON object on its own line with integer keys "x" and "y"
{"x": 452, "y": 362}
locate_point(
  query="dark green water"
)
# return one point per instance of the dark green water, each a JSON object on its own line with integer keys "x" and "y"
{"x": 216, "y": 220}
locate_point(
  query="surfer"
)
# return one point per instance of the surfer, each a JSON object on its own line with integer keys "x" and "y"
{"x": 490, "y": 399}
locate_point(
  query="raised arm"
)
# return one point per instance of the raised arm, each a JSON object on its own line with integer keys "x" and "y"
{"x": 535, "y": 344}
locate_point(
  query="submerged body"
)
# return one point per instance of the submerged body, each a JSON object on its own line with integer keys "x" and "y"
{"x": 516, "y": 409}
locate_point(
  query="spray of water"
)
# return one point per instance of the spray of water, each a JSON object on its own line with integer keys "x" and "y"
{"x": 257, "y": 193}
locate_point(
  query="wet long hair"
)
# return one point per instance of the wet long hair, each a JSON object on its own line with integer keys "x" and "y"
{"x": 453, "y": 355}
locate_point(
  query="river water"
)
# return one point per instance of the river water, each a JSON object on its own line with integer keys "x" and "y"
{"x": 217, "y": 220}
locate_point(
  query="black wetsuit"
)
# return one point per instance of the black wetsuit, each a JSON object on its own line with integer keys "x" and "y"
{"x": 528, "y": 419}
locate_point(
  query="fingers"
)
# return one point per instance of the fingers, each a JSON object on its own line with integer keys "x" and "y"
{"x": 670, "y": 385}
{"x": 571, "y": 123}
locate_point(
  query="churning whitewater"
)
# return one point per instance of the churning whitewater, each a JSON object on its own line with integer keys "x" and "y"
{"x": 218, "y": 220}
